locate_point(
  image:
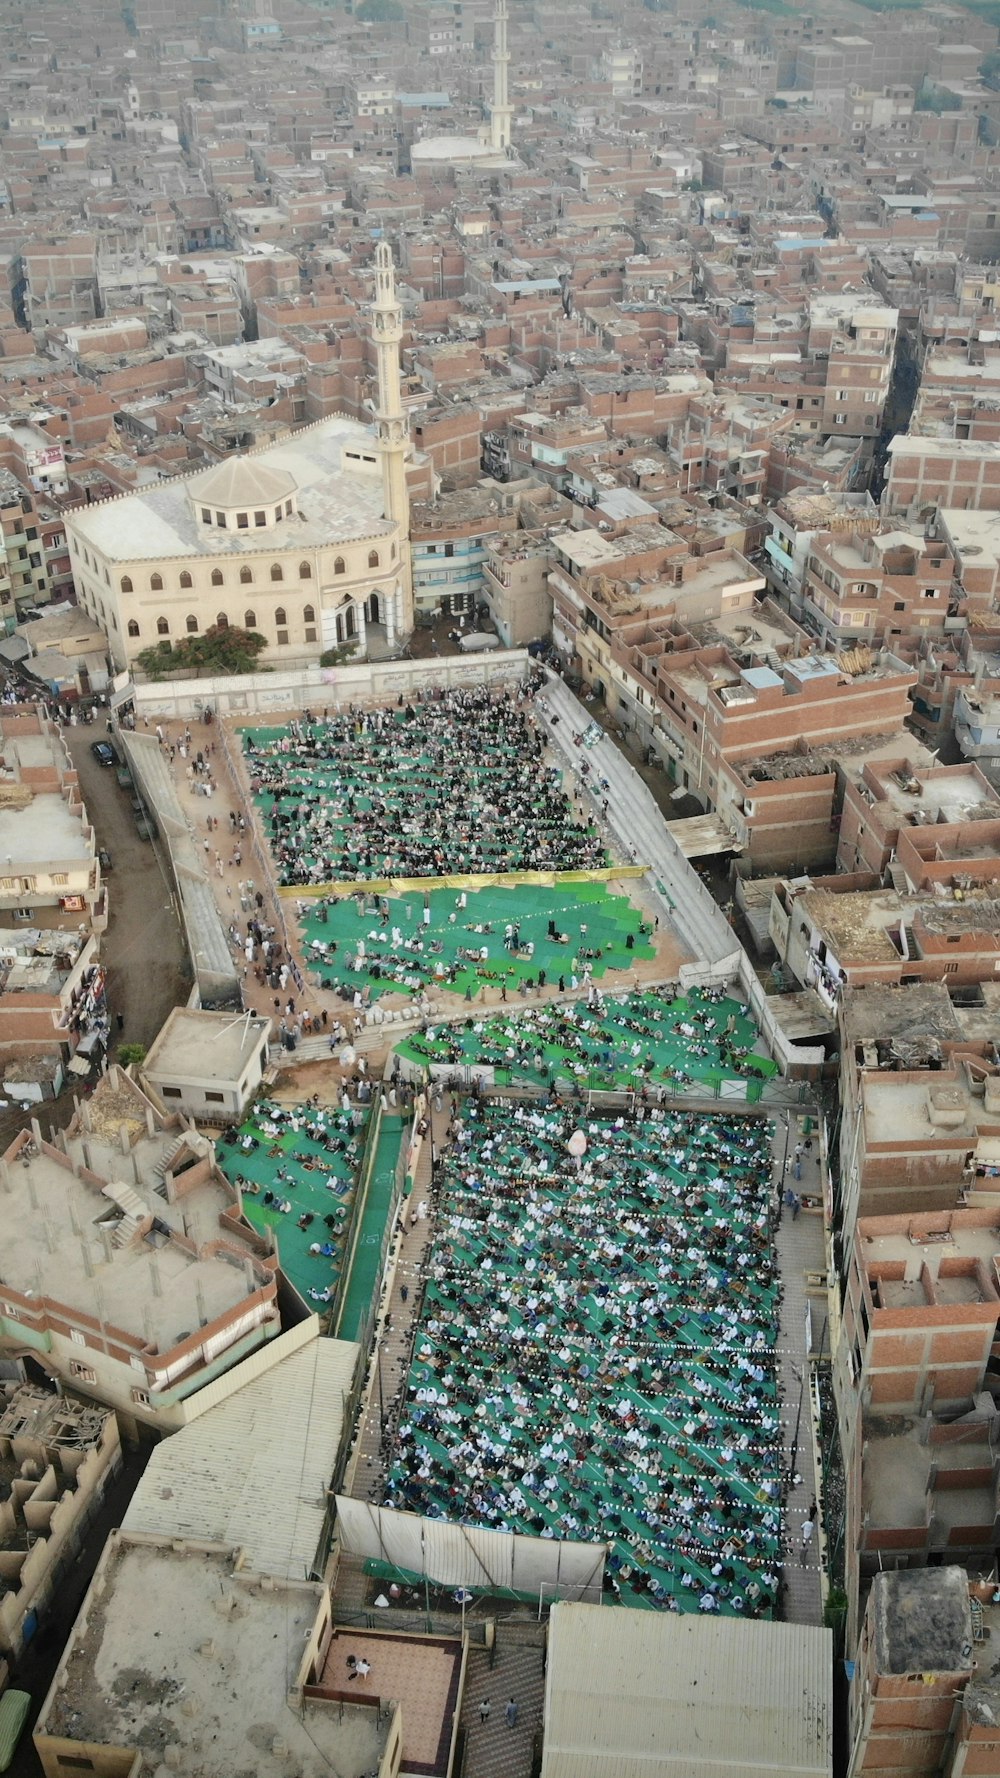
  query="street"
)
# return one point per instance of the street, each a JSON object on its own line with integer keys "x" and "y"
{"x": 143, "y": 948}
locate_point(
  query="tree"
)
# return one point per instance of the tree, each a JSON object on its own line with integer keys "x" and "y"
{"x": 131, "y": 1053}
{"x": 223, "y": 649}
{"x": 936, "y": 99}
{"x": 335, "y": 657}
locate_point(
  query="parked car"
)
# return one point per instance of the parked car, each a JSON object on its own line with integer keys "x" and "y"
{"x": 145, "y": 827}
{"x": 103, "y": 752}
{"x": 124, "y": 777}
{"x": 104, "y": 858}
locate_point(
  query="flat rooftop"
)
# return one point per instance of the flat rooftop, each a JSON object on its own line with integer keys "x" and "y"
{"x": 44, "y": 831}
{"x": 952, "y": 795}
{"x": 974, "y": 536}
{"x": 178, "y": 1650}
{"x": 423, "y": 1675}
{"x": 59, "y": 1236}
{"x": 896, "y": 1109}
{"x": 334, "y": 502}
{"x": 934, "y": 1238}
{"x": 855, "y": 925}
{"x": 205, "y": 1045}
{"x": 923, "y": 1623}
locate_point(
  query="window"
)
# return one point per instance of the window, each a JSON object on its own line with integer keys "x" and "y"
{"x": 133, "y": 627}
{"x": 276, "y": 573}
{"x": 82, "y": 1371}
{"x": 260, "y": 518}
{"x": 59, "y": 877}
{"x": 220, "y": 519}
{"x": 288, "y": 509}
{"x": 215, "y": 1098}
{"x": 279, "y": 617}
{"x": 217, "y": 579}
{"x": 75, "y": 1762}
{"x": 126, "y": 584}
{"x": 185, "y": 579}
{"x": 249, "y": 620}
{"x": 283, "y": 637}
{"x": 171, "y": 1093}
{"x": 246, "y": 576}
{"x": 221, "y": 621}
{"x": 242, "y": 520}
{"x": 156, "y": 583}
{"x": 162, "y": 627}
{"x": 449, "y": 549}
{"x": 373, "y": 558}
{"x": 277, "y": 514}
{"x": 191, "y": 624}
{"x": 141, "y": 1399}
{"x": 340, "y": 566}
{"x": 310, "y": 633}
{"x": 24, "y": 913}
{"x": 206, "y": 517}
{"x": 951, "y": 969}
{"x": 305, "y": 572}
{"x": 309, "y": 615}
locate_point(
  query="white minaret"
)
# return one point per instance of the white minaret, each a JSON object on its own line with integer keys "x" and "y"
{"x": 501, "y": 110}
{"x": 392, "y": 432}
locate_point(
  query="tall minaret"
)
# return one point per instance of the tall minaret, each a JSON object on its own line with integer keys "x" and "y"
{"x": 501, "y": 110}
{"x": 391, "y": 428}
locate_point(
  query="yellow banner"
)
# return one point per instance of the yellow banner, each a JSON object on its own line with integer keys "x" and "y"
{"x": 544, "y": 879}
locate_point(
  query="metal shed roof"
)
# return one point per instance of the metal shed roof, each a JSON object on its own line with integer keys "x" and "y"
{"x": 254, "y": 1470}
{"x": 645, "y": 1695}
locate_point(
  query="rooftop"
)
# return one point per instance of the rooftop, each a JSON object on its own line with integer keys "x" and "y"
{"x": 336, "y": 502}
{"x": 72, "y": 1240}
{"x": 253, "y": 1471}
{"x": 44, "y": 831}
{"x": 205, "y": 1045}
{"x": 178, "y": 1652}
{"x": 923, "y": 1623}
{"x": 637, "y": 1691}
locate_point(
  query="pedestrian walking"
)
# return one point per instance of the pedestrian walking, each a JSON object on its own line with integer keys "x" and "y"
{"x": 484, "y": 1710}
{"x": 510, "y": 1714}
{"x": 796, "y": 1206}
{"x": 805, "y": 1539}
{"x": 120, "y": 1020}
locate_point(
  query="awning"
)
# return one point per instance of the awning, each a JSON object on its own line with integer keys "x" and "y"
{"x": 988, "y": 1151}
{"x": 79, "y": 1065}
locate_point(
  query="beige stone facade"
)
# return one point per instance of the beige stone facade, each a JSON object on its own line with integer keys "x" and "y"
{"x": 290, "y": 541}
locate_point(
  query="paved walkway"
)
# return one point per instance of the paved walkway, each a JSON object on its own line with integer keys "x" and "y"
{"x": 801, "y": 1251}
{"x": 638, "y": 827}
{"x": 511, "y": 1670}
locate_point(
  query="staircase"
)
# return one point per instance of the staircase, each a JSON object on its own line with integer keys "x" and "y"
{"x": 898, "y": 878}
{"x": 134, "y": 1212}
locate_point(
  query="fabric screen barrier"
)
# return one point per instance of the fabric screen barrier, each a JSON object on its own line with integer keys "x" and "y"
{"x": 543, "y": 879}
{"x": 472, "y": 1556}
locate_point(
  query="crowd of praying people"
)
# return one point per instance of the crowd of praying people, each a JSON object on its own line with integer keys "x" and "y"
{"x": 298, "y": 1162}
{"x": 454, "y": 781}
{"x": 594, "y": 1358}
{"x": 646, "y": 1038}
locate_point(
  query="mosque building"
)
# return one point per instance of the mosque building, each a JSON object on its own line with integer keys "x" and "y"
{"x": 491, "y": 148}
{"x": 305, "y": 541}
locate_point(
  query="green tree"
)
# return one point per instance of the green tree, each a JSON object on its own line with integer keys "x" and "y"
{"x": 129, "y": 1053}
{"x": 223, "y": 649}
{"x": 936, "y": 99}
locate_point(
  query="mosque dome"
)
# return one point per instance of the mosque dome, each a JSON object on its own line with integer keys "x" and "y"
{"x": 242, "y": 495}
